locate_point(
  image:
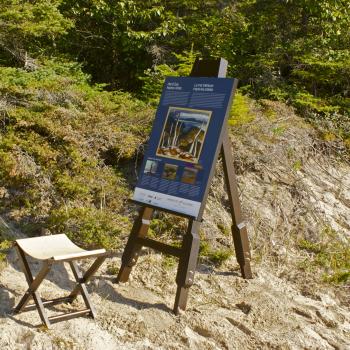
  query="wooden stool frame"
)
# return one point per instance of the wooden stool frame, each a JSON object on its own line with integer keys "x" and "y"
{"x": 188, "y": 253}
{"x": 34, "y": 283}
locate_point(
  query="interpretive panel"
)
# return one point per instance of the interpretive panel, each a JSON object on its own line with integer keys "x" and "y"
{"x": 183, "y": 143}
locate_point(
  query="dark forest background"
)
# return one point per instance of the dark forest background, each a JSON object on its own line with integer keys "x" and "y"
{"x": 294, "y": 50}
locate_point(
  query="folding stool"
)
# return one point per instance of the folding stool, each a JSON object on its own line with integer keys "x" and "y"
{"x": 52, "y": 249}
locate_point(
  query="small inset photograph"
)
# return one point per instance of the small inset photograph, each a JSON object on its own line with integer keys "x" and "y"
{"x": 169, "y": 171}
{"x": 151, "y": 167}
{"x": 189, "y": 176}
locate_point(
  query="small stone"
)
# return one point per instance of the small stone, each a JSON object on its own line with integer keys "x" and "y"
{"x": 244, "y": 307}
{"x": 7, "y": 301}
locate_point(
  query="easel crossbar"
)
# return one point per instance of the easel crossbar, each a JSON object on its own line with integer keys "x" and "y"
{"x": 159, "y": 246}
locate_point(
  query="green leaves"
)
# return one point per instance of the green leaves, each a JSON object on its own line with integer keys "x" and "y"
{"x": 154, "y": 78}
{"x": 36, "y": 19}
{"x": 295, "y": 50}
{"x": 116, "y": 40}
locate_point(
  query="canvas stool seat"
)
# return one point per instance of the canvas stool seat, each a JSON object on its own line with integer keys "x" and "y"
{"x": 50, "y": 250}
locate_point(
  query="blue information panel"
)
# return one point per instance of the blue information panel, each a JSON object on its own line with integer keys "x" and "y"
{"x": 184, "y": 142}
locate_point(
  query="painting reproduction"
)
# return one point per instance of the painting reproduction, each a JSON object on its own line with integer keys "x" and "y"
{"x": 183, "y": 134}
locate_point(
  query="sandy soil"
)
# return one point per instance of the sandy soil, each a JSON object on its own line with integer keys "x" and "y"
{"x": 224, "y": 312}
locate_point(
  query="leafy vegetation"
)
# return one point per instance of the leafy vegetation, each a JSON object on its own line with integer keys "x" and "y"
{"x": 240, "y": 113}
{"x": 56, "y": 134}
{"x": 5, "y": 245}
{"x": 4, "y": 248}
{"x": 215, "y": 256}
{"x": 79, "y": 81}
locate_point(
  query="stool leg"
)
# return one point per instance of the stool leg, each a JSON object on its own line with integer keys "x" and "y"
{"x": 81, "y": 285}
{"x": 33, "y": 286}
{"x": 88, "y": 274}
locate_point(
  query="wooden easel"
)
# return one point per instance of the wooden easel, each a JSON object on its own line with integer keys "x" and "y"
{"x": 188, "y": 253}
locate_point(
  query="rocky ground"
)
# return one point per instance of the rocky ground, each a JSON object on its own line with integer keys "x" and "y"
{"x": 293, "y": 186}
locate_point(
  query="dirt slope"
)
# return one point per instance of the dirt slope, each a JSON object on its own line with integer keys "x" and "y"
{"x": 293, "y": 186}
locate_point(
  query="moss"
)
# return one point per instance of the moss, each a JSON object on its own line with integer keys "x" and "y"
{"x": 329, "y": 136}
{"x": 297, "y": 165}
{"x": 268, "y": 111}
{"x": 330, "y": 256}
{"x": 240, "y": 111}
{"x": 169, "y": 261}
{"x": 279, "y": 130}
{"x": 219, "y": 256}
{"x": 226, "y": 231}
{"x": 309, "y": 246}
{"x": 215, "y": 256}
{"x": 113, "y": 269}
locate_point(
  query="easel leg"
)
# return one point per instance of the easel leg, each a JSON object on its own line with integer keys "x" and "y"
{"x": 132, "y": 249}
{"x": 241, "y": 242}
{"x": 239, "y": 230}
{"x": 187, "y": 265}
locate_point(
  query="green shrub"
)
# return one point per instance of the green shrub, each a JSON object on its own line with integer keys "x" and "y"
{"x": 153, "y": 79}
{"x": 90, "y": 227}
{"x": 56, "y": 133}
{"x": 5, "y": 245}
